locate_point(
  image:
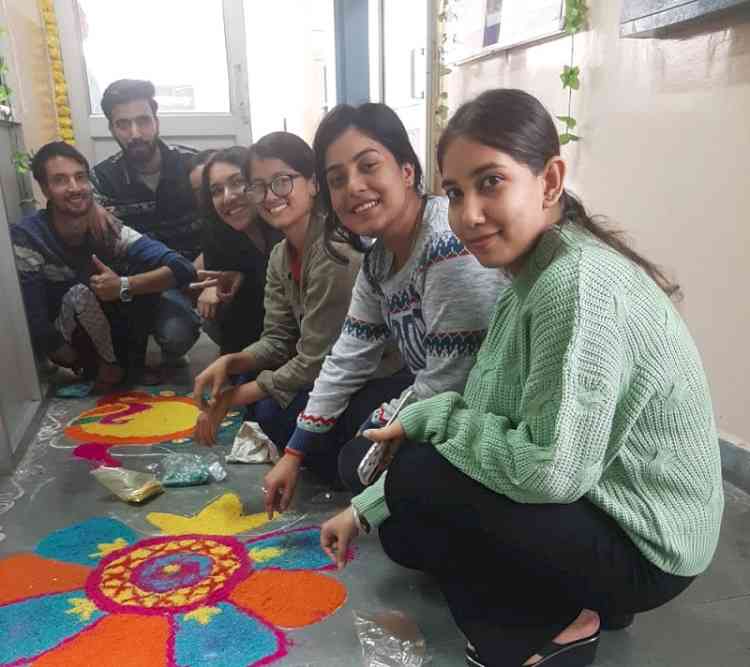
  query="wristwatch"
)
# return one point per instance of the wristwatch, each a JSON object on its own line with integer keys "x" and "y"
{"x": 125, "y": 295}
{"x": 360, "y": 521}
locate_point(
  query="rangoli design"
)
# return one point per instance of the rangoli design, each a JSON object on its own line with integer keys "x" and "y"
{"x": 96, "y": 594}
{"x": 140, "y": 418}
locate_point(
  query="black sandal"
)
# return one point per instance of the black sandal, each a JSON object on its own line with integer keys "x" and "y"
{"x": 575, "y": 654}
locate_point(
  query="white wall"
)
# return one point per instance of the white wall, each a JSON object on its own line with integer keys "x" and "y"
{"x": 666, "y": 138}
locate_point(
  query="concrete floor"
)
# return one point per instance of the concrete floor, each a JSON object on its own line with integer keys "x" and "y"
{"x": 708, "y": 626}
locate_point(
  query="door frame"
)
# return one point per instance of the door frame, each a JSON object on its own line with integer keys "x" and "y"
{"x": 376, "y": 16}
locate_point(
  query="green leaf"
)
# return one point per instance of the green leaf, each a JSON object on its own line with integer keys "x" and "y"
{"x": 570, "y": 123}
{"x": 22, "y": 162}
{"x": 567, "y": 137}
{"x": 570, "y": 77}
{"x": 4, "y": 93}
{"x": 576, "y": 12}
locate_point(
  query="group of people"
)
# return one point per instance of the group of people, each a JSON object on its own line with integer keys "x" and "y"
{"x": 556, "y": 467}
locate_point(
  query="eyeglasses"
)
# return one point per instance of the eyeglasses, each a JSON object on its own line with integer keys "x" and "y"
{"x": 281, "y": 185}
{"x": 236, "y": 185}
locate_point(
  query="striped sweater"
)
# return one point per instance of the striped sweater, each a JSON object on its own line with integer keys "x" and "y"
{"x": 435, "y": 309}
{"x": 47, "y": 268}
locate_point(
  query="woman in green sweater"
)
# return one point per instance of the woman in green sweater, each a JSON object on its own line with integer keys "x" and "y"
{"x": 577, "y": 481}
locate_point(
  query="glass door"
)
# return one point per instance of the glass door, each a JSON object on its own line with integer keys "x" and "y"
{"x": 192, "y": 50}
{"x": 292, "y": 64}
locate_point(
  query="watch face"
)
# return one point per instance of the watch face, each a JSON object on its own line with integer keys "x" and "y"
{"x": 125, "y": 290}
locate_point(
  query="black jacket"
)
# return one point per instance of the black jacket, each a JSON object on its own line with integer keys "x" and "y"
{"x": 168, "y": 215}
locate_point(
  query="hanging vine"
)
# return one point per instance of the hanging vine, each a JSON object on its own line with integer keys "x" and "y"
{"x": 576, "y": 12}
{"x": 446, "y": 16}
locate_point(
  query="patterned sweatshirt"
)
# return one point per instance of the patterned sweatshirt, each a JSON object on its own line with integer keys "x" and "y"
{"x": 435, "y": 308}
{"x": 587, "y": 385}
{"x": 47, "y": 269}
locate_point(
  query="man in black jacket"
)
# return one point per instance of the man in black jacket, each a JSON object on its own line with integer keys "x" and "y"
{"x": 146, "y": 186}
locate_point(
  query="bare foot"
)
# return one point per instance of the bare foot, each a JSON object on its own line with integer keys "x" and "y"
{"x": 584, "y": 626}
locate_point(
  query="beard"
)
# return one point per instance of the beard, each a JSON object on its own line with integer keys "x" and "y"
{"x": 139, "y": 151}
{"x": 73, "y": 209}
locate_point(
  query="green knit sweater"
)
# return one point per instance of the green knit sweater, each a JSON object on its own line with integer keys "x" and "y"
{"x": 588, "y": 384}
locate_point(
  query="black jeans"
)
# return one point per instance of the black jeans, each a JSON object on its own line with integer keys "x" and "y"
{"x": 513, "y": 574}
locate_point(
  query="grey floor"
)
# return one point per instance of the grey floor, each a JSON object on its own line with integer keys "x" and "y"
{"x": 709, "y": 626}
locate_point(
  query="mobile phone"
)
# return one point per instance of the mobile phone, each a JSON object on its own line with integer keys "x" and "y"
{"x": 371, "y": 461}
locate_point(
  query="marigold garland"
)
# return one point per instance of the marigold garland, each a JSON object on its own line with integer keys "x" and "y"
{"x": 60, "y": 86}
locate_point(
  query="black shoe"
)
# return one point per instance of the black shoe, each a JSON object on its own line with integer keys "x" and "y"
{"x": 616, "y": 621}
{"x": 575, "y": 654}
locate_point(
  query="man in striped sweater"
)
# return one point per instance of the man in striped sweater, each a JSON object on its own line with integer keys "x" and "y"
{"x": 90, "y": 297}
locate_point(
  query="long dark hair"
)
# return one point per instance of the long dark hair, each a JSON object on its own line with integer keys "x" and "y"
{"x": 377, "y": 121}
{"x": 517, "y": 124}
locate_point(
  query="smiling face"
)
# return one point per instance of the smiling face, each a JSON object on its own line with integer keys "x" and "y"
{"x": 286, "y": 210}
{"x": 369, "y": 189}
{"x": 227, "y": 187}
{"x": 498, "y": 206}
{"x": 69, "y": 195}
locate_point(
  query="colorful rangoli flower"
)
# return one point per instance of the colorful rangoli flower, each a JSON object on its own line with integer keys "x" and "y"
{"x": 95, "y": 594}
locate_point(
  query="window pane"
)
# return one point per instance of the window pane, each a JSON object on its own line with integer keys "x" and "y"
{"x": 291, "y": 63}
{"x": 179, "y": 45}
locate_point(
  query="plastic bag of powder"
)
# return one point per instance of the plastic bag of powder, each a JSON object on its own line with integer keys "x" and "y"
{"x": 390, "y": 639}
{"x": 128, "y": 485}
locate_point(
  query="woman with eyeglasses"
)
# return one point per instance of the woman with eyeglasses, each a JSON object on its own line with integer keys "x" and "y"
{"x": 307, "y": 294}
{"x": 236, "y": 247}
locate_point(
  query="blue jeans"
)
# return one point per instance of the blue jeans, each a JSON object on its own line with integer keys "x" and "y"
{"x": 177, "y": 325}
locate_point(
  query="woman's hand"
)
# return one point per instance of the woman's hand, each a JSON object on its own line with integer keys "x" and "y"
{"x": 392, "y": 435}
{"x": 336, "y": 534}
{"x": 208, "y": 303}
{"x": 215, "y": 376}
{"x": 280, "y": 482}
{"x": 207, "y": 426}
{"x": 229, "y": 284}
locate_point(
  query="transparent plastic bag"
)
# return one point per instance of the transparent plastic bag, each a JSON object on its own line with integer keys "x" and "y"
{"x": 390, "y": 639}
{"x": 191, "y": 469}
{"x": 128, "y": 485}
{"x": 215, "y": 465}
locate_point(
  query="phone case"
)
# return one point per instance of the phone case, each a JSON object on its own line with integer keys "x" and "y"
{"x": 368, "y": 466}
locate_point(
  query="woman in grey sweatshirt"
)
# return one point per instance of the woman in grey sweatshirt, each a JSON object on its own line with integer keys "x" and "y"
{"x": 418, "y": 289}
